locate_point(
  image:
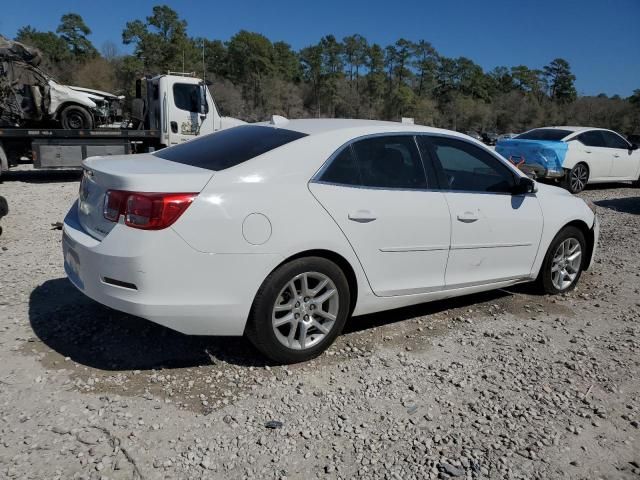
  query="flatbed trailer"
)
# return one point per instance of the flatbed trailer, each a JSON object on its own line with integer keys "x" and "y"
{"x": 58, "y": 148}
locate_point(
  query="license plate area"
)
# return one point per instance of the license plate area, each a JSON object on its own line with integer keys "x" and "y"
{"x": 72, "y": 264}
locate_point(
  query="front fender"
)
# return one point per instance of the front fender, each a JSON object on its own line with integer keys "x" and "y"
{"x": 61, "y": 95}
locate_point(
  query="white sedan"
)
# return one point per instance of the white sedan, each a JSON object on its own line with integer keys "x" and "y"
{"x": 575, "y": 155}
{"x": 283, "y": 230}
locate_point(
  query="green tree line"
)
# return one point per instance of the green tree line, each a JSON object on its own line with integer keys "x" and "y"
{"x": 253, "y": 77}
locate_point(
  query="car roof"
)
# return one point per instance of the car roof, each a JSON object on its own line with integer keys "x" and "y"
{"x": 313, "y": 126}
{"x": 570, "y": 128}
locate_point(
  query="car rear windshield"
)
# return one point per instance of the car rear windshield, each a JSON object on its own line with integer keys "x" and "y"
{"x": 545, "y": 134}
{"x": 229, "y": 148}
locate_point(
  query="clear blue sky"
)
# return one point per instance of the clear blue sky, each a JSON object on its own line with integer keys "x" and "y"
{"x": 600, "y": 38}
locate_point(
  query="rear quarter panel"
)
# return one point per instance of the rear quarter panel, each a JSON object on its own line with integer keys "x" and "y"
{"x": 274, "y": 185}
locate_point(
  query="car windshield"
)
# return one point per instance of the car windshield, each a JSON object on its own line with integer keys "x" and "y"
{"x": 229, "y": 148}
{"x": 544, "y": 134}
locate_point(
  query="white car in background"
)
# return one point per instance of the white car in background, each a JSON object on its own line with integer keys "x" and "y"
{"x": 283, "y": 230}
{"x": 575, "y": 155}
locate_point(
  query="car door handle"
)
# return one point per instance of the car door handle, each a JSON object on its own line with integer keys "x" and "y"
{"x": 616, "y": 155}
{"x": 467, "y": 217}
{"x": 587, "y": 151}
{"x": 362, "y": 216}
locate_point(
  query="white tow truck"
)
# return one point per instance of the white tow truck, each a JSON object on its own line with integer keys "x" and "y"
{"x": 167, "y": 110}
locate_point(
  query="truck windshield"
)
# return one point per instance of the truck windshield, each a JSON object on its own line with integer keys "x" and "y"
{"x": 229, "y": 148}
{"x": 544, "y": 134}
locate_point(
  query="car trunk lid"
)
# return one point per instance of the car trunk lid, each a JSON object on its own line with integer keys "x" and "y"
{"x": 132, "y": 173}
{"x": 548, "y": 154}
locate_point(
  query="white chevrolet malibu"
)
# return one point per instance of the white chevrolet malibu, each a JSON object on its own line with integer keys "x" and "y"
{"x": 283, "y": 230}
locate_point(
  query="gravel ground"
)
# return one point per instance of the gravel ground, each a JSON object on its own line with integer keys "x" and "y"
{"x": 508, "y": 384}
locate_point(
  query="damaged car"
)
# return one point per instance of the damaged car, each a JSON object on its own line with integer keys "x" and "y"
{"x": 31, "y": 98}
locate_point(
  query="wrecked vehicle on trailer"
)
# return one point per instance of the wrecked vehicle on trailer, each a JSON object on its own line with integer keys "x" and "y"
{"x": 29, "y": 97}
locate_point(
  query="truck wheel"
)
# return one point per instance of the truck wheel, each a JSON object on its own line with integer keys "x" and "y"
{"x": 75, "y": 117}
{"x": 576, "y": 179}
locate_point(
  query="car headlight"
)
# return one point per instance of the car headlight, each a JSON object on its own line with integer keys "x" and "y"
{"x": 591, "y": 205}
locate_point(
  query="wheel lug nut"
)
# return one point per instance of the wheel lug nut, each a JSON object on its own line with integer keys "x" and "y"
{"x": 297, "y": 315}
{"x": 312, "y": 307}
{"x": 306, "y": 299}
{"x": 297, "y": 304}
{"x": 306, "y": 317}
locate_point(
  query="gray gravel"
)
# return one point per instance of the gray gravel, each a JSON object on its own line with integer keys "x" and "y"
{"x": 507, "y": 384}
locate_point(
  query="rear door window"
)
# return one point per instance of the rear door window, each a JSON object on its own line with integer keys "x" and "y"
{"x": 343, "y": 169}
{"x": 390, "y": 161}
{"x": 592, "y": 138}
{"x": 229, "y": 147}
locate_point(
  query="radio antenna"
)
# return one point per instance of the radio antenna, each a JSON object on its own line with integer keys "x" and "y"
{"x": 204, "y": 71}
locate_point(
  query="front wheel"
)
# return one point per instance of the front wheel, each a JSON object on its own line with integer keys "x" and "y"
{"x": 299, "y": 310}
{"x": 576, "y": 178}
{"x": 75, "y": 117}
{"x": 563, "y": 263}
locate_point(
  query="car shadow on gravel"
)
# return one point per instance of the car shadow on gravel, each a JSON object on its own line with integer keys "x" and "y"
{"x": 374, "y": 320}
{"x": 625, "y": 205}
{"x": 95, "y": 336}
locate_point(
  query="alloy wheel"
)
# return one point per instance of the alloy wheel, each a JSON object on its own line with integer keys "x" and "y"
{"x": 566, "y": 263}
{"x": 305, "y": 310}
{"x": 578, "y": 178}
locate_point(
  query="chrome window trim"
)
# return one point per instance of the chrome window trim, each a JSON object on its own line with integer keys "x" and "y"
{"x": 617, "y": 135}
{"x": 316, "y": 178}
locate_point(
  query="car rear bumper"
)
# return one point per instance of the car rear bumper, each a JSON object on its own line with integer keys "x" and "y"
{"x": 156, "y": 275}
{"x": 535, "y": 171}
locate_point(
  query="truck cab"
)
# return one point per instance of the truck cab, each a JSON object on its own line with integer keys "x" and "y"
{"x": 180, "y": 107}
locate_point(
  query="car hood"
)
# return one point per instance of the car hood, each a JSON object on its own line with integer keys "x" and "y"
{"x": 60, "y": 94}
{"x": 96, "y": 93}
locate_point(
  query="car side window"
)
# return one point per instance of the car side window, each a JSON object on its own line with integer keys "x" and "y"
{"x": 390, "y": 161}
{"x": 613, "y": 140}
{"x": 467, "y": 167}
{"x": 343, "y": 169}
{"x": 592, "y": 138}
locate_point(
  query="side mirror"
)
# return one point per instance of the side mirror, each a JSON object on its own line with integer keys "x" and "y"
{"x": 523, "y": 186}
{"x": 202, "y": 101}
{"x": 635, "y": 146}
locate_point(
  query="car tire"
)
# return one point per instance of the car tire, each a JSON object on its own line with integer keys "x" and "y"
{"x": 577, "y": 178}
{"x": 287, "y": 326}
{"x": 558, "y": 273}
{"x": 75, "y": 117}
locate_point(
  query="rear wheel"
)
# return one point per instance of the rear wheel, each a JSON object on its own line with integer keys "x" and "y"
{"x": 563, "y": 263}
{"x": 75, "y": 117}
{"x": 299, "y": 310}
{"x": 576, "y": 178}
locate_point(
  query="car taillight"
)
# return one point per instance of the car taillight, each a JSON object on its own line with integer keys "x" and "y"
{"x": 148, "y": 211}
{"x": 112, "y": 204}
